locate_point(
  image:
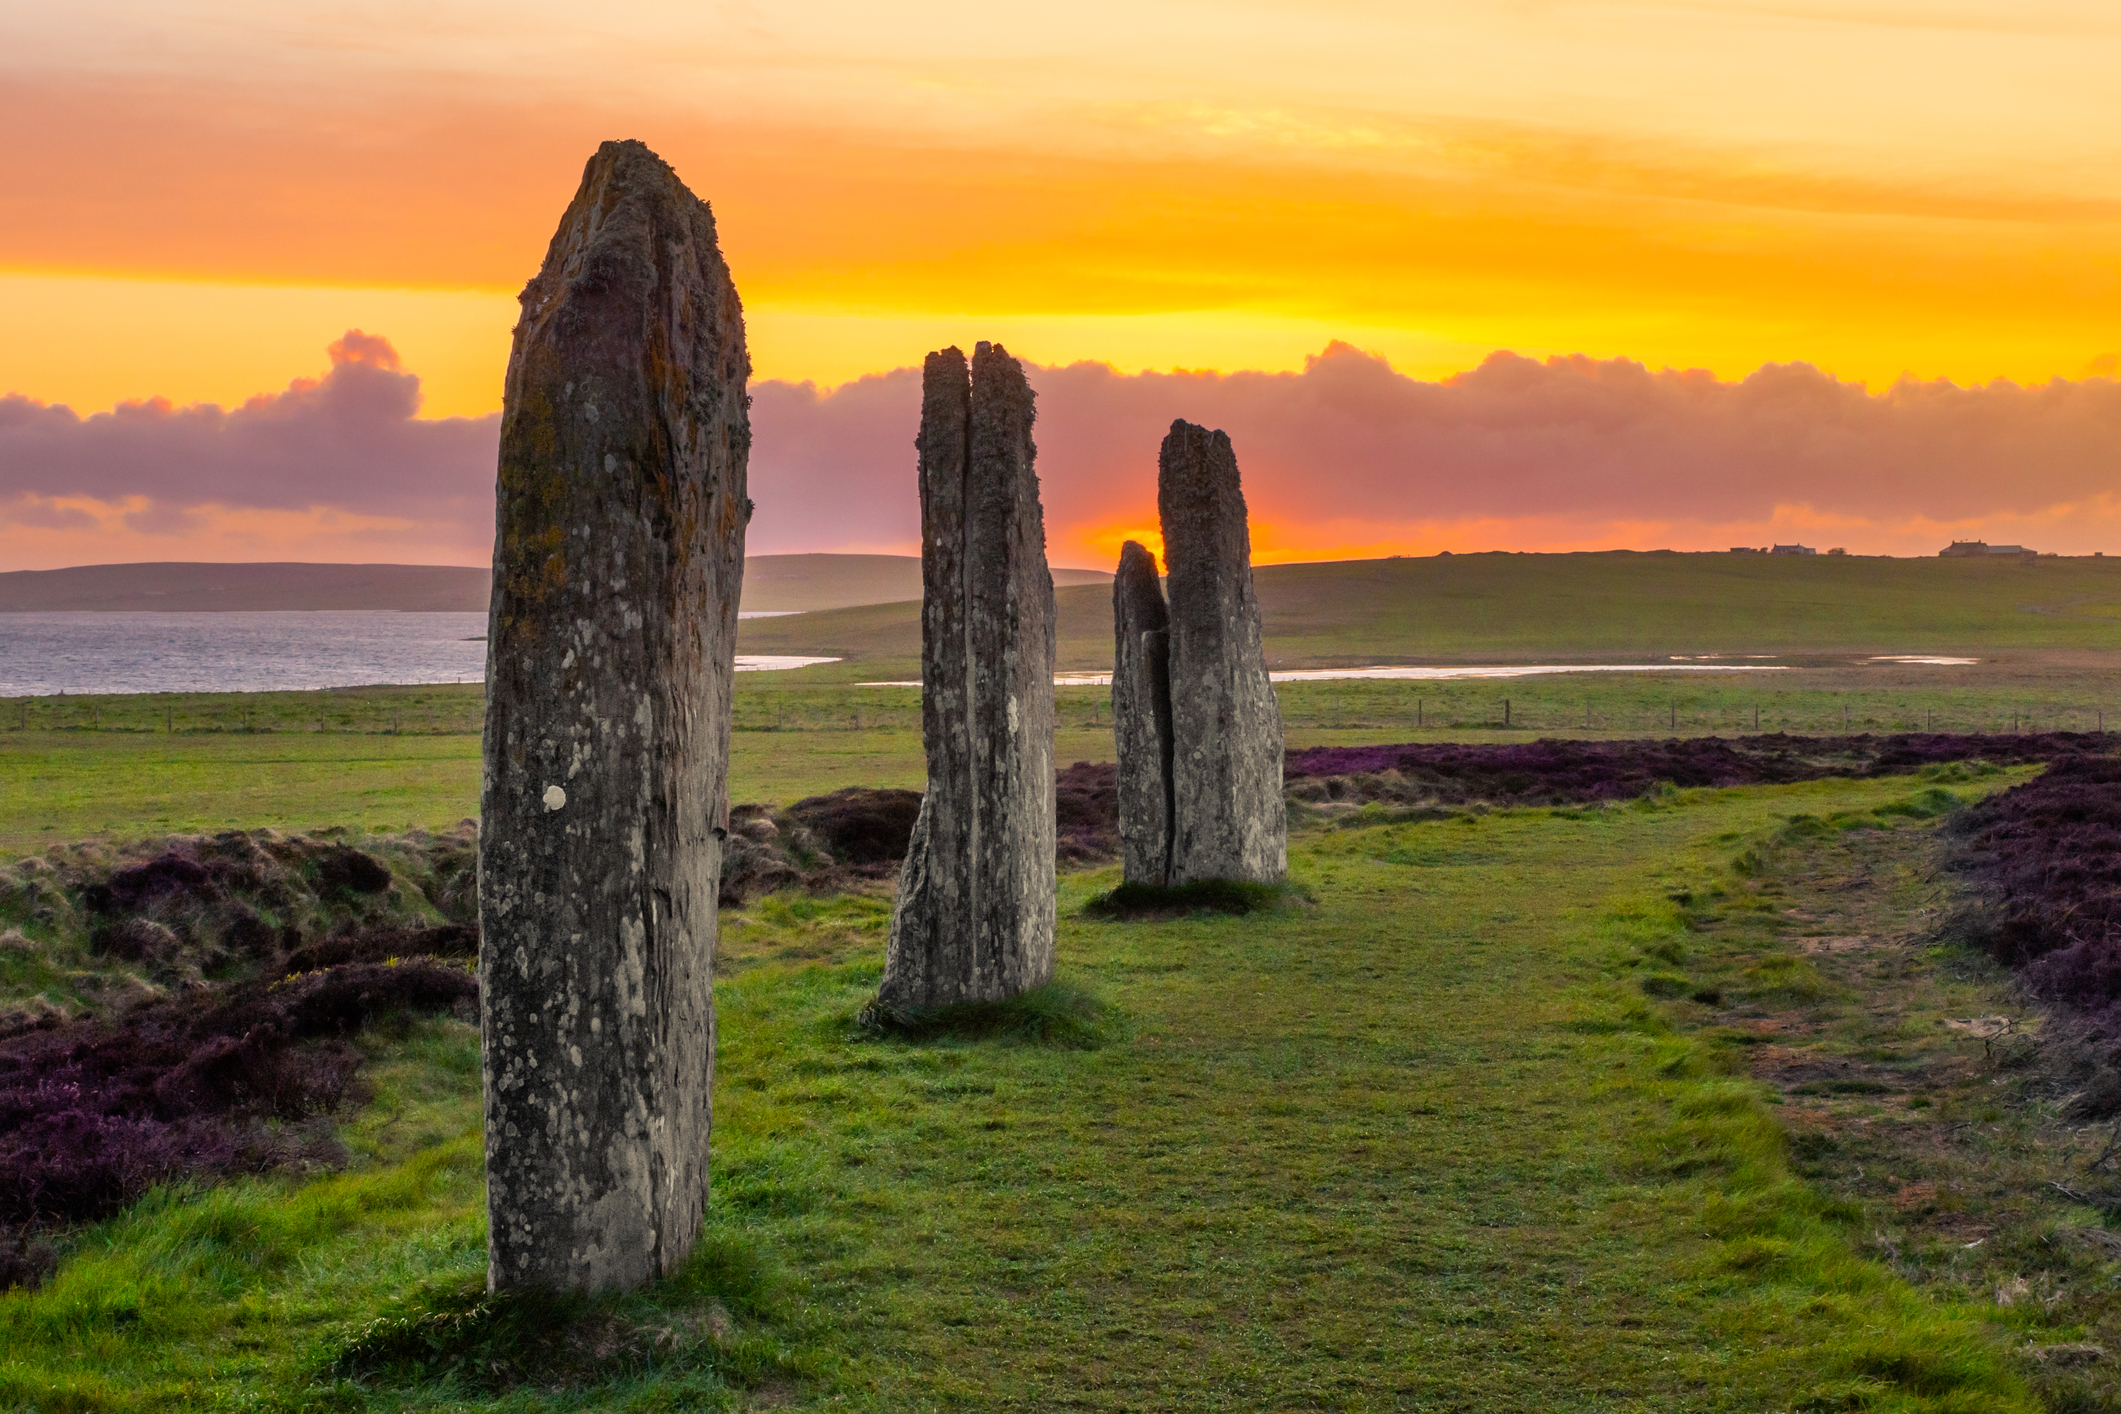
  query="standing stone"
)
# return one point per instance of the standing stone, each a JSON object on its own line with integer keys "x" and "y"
{"x": 975, "y": 912}
{"x": 1141, "y": 716}
{"x": 1229, "y": 820}
{"x": 618, "y": 560}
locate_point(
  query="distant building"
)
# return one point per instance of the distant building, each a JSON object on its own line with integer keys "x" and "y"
{"x": 1793, "y": 550}
{"x": 1981, "y": 549}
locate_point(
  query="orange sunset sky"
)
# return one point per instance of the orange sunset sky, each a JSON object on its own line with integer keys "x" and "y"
{"x": 1357, "y": 202}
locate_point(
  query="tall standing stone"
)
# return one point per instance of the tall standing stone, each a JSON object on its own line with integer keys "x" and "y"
{"x": 975, "y": 912}
{"x": 1229, "y": 819}
{"x": 618, "y": 561}
{"x": 1141, "y": 716}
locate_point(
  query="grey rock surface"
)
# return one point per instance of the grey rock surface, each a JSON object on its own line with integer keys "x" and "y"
{"x": 975, "y": 914}
{"x": 1141, "y": 716}
{"x": 618, "y": 565}
{"x": 1228, "y": 817}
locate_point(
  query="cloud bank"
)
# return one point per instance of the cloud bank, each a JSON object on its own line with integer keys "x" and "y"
{"x": 1346, "y": 457}
{"x": 343, "y": 462}
{"x": 1349, "y": 456}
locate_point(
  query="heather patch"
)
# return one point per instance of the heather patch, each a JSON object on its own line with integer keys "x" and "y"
{"x": 1558, "y": 772}
{"x": 859, "y": 825}
{"x": 2046, "y": 860}
{"x": 850, "y": 838}
{"x": 215, "y": 1082}
{"x": 1086, "y": 812}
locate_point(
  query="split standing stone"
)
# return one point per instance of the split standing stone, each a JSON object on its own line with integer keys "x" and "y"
{"x": 618, "y": 562}
{"x": 1229, "y": 819}
{"x": 1141, "y": 716}
{"x": 975, "y": 914}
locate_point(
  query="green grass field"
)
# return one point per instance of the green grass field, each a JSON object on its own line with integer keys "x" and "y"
{"x": 1613, "y": 607}
{"x": 389, "y": 758}
{"x": 1449, "y": 1136}
{"x": 2048, "y": 636}
{"x": 1538, "y": 1110}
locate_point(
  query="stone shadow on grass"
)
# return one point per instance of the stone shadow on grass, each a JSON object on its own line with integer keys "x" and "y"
{"x": 1062, "y": 1015}
{"x": 722, "y": 1316}
{"x": 1151, "y": 902}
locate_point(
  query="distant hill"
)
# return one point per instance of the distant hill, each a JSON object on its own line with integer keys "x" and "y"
{"x": 1616, "y": 606}
{"x": 191, "y": 588}
{"x": 771, "y": 583}
{"x": 814, "y": 582}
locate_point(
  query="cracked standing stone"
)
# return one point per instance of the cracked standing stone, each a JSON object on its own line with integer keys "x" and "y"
{"x": 975, "y": 913}
{"x": 1228, "y": 817}
{"x": 618, "y": 562}
{"x": 1141, "y": 716}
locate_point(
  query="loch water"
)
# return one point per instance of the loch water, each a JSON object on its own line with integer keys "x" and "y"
{"x": 44, "y": 654}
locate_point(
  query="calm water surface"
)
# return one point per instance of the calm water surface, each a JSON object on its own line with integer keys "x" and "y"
{"x": 42, "y": 655}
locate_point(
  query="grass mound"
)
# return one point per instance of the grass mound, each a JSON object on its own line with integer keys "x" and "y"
{"x": 1059, "y": 1014}
{"x": 860, "y": 825}
{"x": 96, "y": 927}
{"x": 1237, "y": 896}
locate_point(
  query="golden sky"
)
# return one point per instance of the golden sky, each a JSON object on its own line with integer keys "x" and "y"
{"x": 198, "y": 196}
{"x": 195, "y": 198}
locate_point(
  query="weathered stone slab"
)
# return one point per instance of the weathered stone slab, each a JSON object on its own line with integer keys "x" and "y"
{"x": 975, "y": 913}
{"x": 618, "y": 562}
{"x": 1141, "y": 716}
{"x": 1229, "y": 820}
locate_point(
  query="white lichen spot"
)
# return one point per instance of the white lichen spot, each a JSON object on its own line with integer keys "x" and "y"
{"x": 611, "y": 462}
{"x": 556, "y": 798}
{"x": 1012, "y": 714}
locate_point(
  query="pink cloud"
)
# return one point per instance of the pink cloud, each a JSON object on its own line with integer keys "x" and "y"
{"x": 1346, "y": 457}
{"x": 1349, "y": 456}
{"x": 349, "y": 441}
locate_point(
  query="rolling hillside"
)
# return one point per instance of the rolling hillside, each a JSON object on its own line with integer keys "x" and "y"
{"x": 194, "y": 588}
{"x": 783, "y": 583}
{"x": 1614, "y": 607}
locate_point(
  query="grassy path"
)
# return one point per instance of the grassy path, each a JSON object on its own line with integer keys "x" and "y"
{"x": 1415, "y": 1147}
{"x": 1426, "y": 1143}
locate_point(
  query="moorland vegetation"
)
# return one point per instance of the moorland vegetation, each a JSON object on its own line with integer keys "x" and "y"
{"x": 1581, "y": 1067}
{"x": 1580, "y": 1104}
